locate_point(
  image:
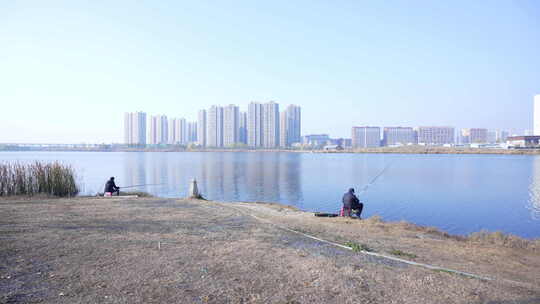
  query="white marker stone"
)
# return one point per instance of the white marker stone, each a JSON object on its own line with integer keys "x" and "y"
{"x": 193, "y": 189}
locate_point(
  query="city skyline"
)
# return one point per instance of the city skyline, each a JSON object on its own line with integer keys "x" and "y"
{"x": 397, "y": 133}
{"x": 159, "y": 128}
{"x": 263, "y": 125}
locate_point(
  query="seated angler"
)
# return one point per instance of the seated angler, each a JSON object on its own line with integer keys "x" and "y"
{"x": 351, "y": 204}
{"x": 111, "y": 188}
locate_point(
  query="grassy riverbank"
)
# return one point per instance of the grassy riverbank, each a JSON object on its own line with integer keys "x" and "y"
{"x": 154, "y": 250}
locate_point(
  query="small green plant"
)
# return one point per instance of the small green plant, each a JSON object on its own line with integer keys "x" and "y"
{"x": 398, "y": 252}
{"x": 445, "y": 271}
{"x": 358, "y": 247}
{"x": 457, "y": 273}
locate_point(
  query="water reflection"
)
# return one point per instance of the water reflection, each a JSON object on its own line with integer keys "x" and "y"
{"x": 269, "y": 177}
{"x": 534, "y": 189}
{"x": 134, "y": 169}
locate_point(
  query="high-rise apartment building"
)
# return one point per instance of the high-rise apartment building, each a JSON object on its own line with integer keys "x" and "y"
{"x": 163, "y": 130}
{"x": 152, "y": 130}
{"x": 181, "y": 131}
{"x": 192, "y": 132}
{"x": 242, "y": 129}
{"x": 435, "y": 135}
{"x": 201, "y": 128}
{"x": 231, "y": 125}
{"x": 255, "y": 125}
{"x": 283, "y": 128}
{"x": 293, "y": 125}
{"x": 172, "y": 133}
{"x": 366, "y": 137}
{"x": 398, "y": 136}
{"x": 270, "y": 119}
{"x": 139, "y": 128}
{"x": 536, "y": 115}
{"x": 158, "y": 130}
{"x": 128, "y": 129}
{"x": 135, "y": 128}
{"x": 214, "y": 127}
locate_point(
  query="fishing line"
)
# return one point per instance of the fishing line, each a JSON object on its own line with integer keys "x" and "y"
{"x": 366, "y": 187}
{"x": 133, "y": 186}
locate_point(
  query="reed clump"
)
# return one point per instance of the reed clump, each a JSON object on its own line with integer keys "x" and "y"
{"x": 55, "y": 179}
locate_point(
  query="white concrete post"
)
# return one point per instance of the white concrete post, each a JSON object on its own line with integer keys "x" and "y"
{"x": 193, "y": 190}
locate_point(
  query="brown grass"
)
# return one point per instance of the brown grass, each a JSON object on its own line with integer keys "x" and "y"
{"x": 514, "y": 258}
{"x": 154, "y": 250}
{"x": 278, "y": 206}
{"x": 502, "y": 239}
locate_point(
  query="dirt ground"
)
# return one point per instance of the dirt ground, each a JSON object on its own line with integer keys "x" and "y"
{"x": 152, "y": 250}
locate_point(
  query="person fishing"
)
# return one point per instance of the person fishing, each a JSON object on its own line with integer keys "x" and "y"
{"x": 351, "y": 203}
{"x": 110, "y": 188}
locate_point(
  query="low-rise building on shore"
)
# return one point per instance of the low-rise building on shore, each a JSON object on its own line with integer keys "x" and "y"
{"x": 524, "y": 141}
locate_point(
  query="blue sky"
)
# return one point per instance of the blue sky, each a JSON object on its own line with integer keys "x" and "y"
{"x": 69, "y": 69}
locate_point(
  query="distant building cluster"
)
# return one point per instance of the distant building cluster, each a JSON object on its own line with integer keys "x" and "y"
{"x": 262, "y": 126}
{"x": 369, "y": 137}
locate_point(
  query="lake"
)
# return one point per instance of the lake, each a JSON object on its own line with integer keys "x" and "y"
{"x": 459, "y": 194}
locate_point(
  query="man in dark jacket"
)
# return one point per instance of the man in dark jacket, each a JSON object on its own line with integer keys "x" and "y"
{"x": 111, "y": 187}
{"x": 351, "y": 202}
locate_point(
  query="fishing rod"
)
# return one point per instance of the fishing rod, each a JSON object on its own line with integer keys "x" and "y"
{"x": 134, "y": 186}
{"x": 366, "y": 187}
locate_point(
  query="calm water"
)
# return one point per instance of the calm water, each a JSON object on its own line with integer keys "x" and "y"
{"x": 457, "y": 193}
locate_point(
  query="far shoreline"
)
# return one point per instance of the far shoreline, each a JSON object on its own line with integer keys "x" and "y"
{"x": 382, "y": 150}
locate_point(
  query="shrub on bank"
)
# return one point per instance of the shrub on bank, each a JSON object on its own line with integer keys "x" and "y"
{"x": 54, "y": 179}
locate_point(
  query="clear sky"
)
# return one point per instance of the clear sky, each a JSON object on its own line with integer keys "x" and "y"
{"x": 70, "y": 69}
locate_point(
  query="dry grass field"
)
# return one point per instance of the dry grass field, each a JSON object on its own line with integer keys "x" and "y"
{"x": 153, "y": 250}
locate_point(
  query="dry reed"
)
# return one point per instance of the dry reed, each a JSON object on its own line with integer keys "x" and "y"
{"x": 55, "y": 179}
